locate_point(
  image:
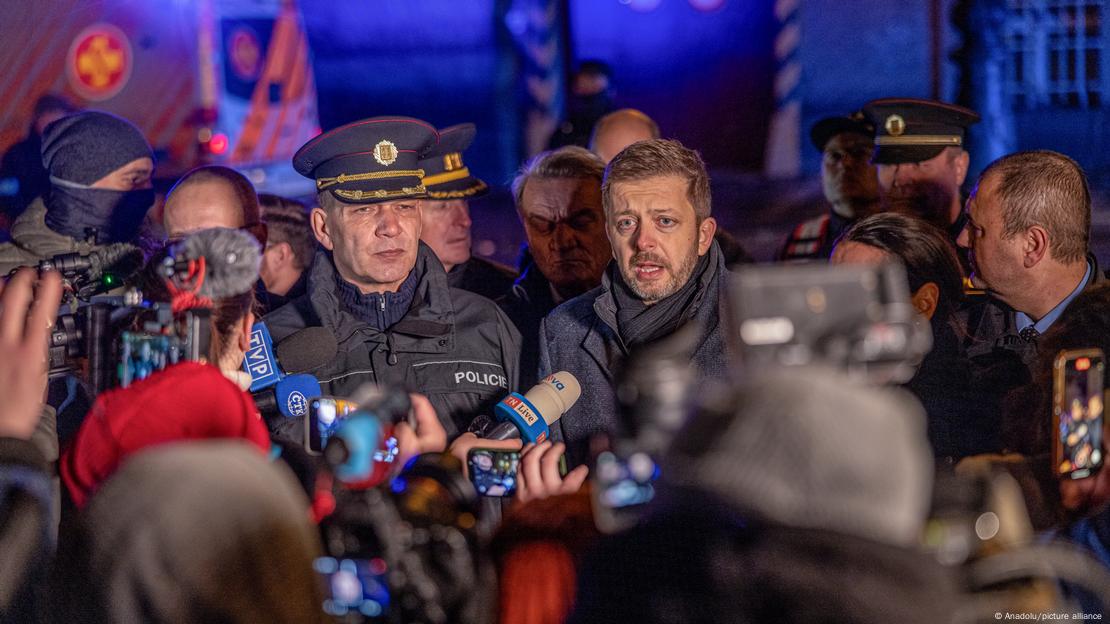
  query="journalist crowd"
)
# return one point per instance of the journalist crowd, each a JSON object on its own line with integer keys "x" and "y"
{"x": 229, "y": 406}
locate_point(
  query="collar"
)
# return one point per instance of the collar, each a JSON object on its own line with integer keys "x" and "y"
{"x": 1022, "y": 320}
{"x": 532, "y": 285}
{"x": 431, "y": 312}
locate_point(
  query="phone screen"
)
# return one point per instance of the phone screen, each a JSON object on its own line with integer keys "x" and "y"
{"x": 355, "y": 587}
{"x": 493, "y": 472}
{"x": 325, "y": 414}
{"x": 142, "y": 354}
{"x": 1078, "y": 411}
{"x": 626, "y": 483}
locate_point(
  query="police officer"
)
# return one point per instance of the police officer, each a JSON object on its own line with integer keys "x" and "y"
{"x": 920, "y": 158}
{"x": 445, "y": 216}
{"x": 849, "y": 183}
{"x": 382, "y": 292}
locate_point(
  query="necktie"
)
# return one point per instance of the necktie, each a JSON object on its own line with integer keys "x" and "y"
{"x": 1029, "y": 333}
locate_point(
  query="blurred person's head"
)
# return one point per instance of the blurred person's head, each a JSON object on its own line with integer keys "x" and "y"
{"x": 932, "y": 269}
{"x": 537, "y": 550}
{"x": 774, "y": 454}
{"x": 592, "y": 77}
{"x": 657, "y": 215}
{"x": 445, "y": 227}
{"x": 290, "y": 244}
{"x": 210, "y": 197}
{"x": 848, "y": 178}
{"x": 49, "y": 108}
{"x": 558, "y": 199}
{"x": 618, "y": 130}
{"x": 100, "y": 170}
{"x": 195, "y": 532}
{"x": 1028, "y": 229}
{"x": 928, "y": 189}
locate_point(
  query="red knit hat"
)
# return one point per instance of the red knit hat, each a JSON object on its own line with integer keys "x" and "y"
{"x": 187, "y": 401}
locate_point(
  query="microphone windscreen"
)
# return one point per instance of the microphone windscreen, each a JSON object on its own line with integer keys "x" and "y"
{"x": 232, "y": 259}
{"x": 306, "y": 350}
{"x": 121, "y": 260}
{"x": 554, "y": 395}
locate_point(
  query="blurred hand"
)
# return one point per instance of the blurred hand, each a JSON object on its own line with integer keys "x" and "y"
{"x": 1083, "y": 495}
{"x": 27, "y": 313}
{"x": 428, "y": 436}
{"x": 462, "y": 445}
{"x": 538, "y": 474}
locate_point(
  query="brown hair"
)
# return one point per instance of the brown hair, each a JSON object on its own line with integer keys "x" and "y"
{"x": 287, "y": 222}
{"x": 1048, "y": 189}
{"x": 656, "y": 158}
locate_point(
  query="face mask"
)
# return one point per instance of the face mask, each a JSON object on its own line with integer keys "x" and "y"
{"x": 115, "y": 215}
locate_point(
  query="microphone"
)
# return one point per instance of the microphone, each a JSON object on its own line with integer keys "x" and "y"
{"x": 98, "y": 271}
{"x": 530, "y": 416}
{"x": 231, "y": 261}
{"x": 283, "y": 388}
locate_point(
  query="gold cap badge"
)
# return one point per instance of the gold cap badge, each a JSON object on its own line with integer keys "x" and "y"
{"x": 895, "y": 125}
{"x": 385, "y": 152}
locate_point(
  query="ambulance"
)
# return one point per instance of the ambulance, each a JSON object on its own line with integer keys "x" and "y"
{"x": 225, "y": 82}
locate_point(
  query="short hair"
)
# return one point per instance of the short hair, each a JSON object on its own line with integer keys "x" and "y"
{"x": 656, "y": 158}
{"x": 924, "y": 250}
{"x": 571, "y": 161}
{"x": 240, "y": 185}
{"x": 1048, "y": 189}
{"x": 287, "y": 222}
{"x": 624, "y": 114}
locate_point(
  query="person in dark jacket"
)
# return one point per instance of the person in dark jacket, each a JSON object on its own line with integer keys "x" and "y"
{"x": 23, "y": 177}
{"x": 1028, "y": 235}
{"x": 964, "y": 418}
{"x": 288, "y": 253}
{"x": 558, "y": 199}
{"x": 445, "y": 216}
{"x": 382, "y": 292}
{"x": 848, "y": 180}
{"x": 667, "y": 271}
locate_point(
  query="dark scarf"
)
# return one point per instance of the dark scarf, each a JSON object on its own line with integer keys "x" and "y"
{"x": 640, "y": 324}
{"x": 114, "y": 216}
{"x": 379, "y": 310}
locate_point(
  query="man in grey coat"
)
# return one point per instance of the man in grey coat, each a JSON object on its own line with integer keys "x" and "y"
{"x": 667, "y": 271}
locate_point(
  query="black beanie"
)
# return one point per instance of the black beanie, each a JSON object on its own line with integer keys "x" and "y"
{"x": 86, "y": 146}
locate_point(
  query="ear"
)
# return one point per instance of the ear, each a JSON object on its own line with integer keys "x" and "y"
{"x": 321, "y": 227}
{"x": 245, "y": 331}
{"x": 962, "y": 163}
{"x": 1034, "y": 246}
{"x": 283, "y": 252}
{"x": 706, "y": 231}
{"x": 925, "y": 300}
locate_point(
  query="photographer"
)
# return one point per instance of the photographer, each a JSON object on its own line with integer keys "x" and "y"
{"x": 100, "y": 169}
{"x": 189, "y": 400}
{"x": 27, "y": 311}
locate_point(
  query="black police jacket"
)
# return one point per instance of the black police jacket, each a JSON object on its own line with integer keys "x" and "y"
{"x": 454, "y": 346}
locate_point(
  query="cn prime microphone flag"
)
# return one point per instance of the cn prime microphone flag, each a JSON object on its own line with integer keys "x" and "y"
{"x": 260, "y": 362}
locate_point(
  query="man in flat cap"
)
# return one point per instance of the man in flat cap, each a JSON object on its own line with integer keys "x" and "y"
{"x": 848, "y": 180}
{"x": 445, "y": 216}
{"x": 382, "y": 292}
{"x": 920, "y": 158}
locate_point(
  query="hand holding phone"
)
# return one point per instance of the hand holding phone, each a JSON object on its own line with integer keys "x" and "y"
{"x": 493, "y": 472}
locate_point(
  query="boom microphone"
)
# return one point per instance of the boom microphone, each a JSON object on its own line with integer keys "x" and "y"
{"x": 231, "y": 259}
{"x": 100, "y": 270}
{"x": 530, "y": 416}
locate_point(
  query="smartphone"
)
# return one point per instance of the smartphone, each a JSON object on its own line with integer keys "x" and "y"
{"x": 325, "y": 414}
{"x": 493, "y": 472}
{"x": 1077, "y": 412}
{"x": 356, "y": 589}
{"x": 621, "y": 488}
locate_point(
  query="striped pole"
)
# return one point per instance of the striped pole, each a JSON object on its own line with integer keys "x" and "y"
{"x": 783, "y": 155}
